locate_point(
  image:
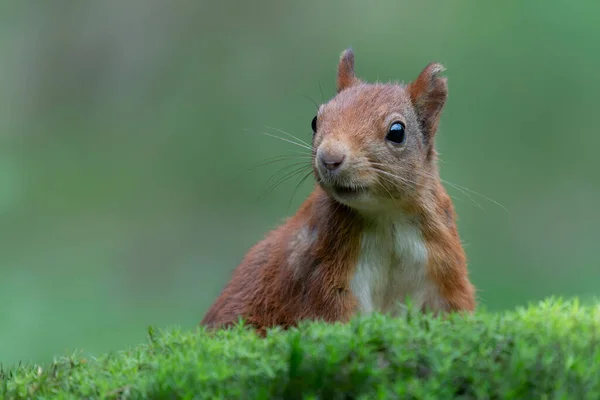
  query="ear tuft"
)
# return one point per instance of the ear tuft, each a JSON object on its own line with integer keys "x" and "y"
{"x": 433, "y": 69}
{"x": 345, "y": 74}
{"x": 428, "y": 94}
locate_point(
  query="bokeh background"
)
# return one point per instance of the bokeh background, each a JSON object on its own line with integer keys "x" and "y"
{"x": 128, "y": 130}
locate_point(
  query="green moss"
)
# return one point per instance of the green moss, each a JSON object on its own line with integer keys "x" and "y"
{"x": 546, "y": 351}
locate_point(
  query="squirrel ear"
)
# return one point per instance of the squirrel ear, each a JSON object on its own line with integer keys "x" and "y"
{"x": 345, "y": 74}
{"x": 428, "y": 94}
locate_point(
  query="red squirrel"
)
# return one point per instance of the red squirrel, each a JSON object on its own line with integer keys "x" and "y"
{"x": 378, "y": 227}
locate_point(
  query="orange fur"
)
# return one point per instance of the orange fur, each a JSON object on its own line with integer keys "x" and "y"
{"x": 269, "y": 289}
{"x": 305, "y": 268}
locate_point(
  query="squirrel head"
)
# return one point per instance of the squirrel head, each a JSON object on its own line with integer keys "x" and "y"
{"x": 373, "y": 143}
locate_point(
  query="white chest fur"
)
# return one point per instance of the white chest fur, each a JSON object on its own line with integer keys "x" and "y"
{"x": 391, "y": 267}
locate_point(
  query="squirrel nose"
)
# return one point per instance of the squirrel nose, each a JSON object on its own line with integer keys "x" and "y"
{"x": 331, "y": 160}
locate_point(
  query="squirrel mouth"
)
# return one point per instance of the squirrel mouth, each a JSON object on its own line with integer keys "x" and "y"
{"x": 345, "y": 191}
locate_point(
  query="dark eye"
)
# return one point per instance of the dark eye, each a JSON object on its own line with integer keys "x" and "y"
{"x": 313, "y": 124}
{"x": 396, "y": 133}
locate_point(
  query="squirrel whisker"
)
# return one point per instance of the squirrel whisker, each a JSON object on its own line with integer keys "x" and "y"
{"x": 466, "y": 191}
{"x": 302, "y": 180}
{"x": 290, "y": 135}
{"x": 286, "y": 176}
{"x": 289, "y": 141}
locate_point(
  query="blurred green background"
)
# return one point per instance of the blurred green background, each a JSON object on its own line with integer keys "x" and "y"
{"x": 128, "y": 128}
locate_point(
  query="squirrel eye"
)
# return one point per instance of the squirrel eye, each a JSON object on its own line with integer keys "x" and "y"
{"x": 313, "y": 124}
{"x": 396, "y": 133}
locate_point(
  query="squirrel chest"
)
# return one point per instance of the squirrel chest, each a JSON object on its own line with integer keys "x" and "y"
{"x": 392, "y": 265}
